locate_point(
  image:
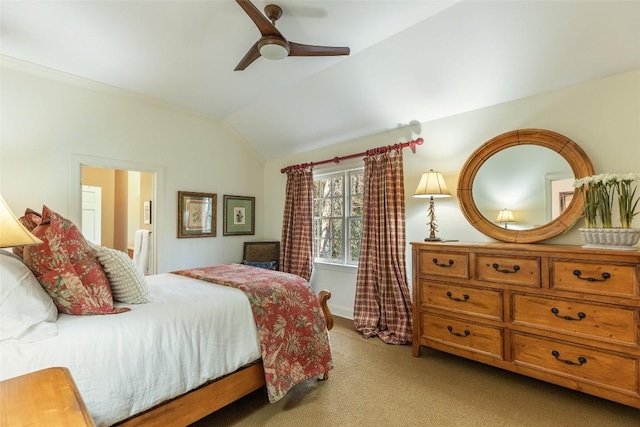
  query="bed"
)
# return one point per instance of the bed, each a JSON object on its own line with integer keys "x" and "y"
{"x": 194, "y": 346}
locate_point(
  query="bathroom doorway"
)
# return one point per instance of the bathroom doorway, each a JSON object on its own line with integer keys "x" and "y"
{"x": 120, "y": 210}
{"x": 129, "y": 201}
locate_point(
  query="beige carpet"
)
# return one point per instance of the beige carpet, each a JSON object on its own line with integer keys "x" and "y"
{"x": 375, "y": 384}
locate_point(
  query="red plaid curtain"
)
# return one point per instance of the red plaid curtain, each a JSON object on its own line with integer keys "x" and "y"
{"x": 383, "y": 304}
{"x": 296, "y": 248}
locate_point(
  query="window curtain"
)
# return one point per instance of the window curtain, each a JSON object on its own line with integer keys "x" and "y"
{"x": 383, "y": 304}
{"x": 296, "y": 247}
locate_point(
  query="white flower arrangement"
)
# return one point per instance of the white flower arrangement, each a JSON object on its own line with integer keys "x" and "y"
{"x": 599, "y": 193}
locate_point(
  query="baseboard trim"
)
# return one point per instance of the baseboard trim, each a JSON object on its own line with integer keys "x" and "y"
{"x": 341, "y": 311}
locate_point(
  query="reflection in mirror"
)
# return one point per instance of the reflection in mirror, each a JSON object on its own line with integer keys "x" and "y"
{"x": 528, "y": 180}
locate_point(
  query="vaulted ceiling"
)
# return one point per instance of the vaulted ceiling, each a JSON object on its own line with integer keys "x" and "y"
{"x": 410, "y": 60}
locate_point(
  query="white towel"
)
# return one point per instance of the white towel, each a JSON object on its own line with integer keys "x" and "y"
{"x": 142, "y": 251}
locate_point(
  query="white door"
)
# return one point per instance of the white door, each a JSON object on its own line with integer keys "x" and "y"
{"x": 92, "y": 213}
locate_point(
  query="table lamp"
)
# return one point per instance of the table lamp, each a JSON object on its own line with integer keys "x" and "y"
{"x": 12, "y": 232}
{"x": 505, "y": 216}
{"x": 432, "y": 185}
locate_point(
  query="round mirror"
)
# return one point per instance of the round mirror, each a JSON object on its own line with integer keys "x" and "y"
{"x": 518, "y": 186}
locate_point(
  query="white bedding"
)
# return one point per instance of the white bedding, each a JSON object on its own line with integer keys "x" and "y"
{"x": 191, "y": 332}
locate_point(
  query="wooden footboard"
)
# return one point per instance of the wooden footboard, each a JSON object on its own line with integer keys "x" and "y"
{"x": 205, "y": 400}
{"x": 324, "y": 296}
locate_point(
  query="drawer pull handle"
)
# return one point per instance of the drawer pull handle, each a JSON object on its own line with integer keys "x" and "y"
{"x": 465, "y": 297}
{"x": 605, "y": 276}
{"x": 581, "y": 315}
{"x": 435, "y": 261}
{"x": 581, "y": 360}
{"x": 504, "y": 270}
{"x": 458, "y": 334}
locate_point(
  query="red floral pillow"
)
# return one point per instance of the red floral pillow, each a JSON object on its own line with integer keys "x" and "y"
{"x": 31, "y": 219}
{"x": 67, "y": 269}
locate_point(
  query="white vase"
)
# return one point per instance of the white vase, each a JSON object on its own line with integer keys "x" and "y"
{"x": 610, "y": 238}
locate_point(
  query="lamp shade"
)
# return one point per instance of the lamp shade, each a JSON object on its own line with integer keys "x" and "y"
{"x": 432, "y": 185}
{"x": 12, "y": 232}
{"x": 272, "y": 47}
{"x": 505, "y": 215}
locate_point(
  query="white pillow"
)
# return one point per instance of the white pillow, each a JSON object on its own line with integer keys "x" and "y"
{"x": 27, "y": 312}
{"x": 128, "y": 284}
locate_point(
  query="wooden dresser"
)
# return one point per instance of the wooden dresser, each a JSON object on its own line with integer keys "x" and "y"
{"x": 562, "y": 314}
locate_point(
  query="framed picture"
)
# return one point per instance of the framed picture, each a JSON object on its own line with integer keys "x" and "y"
{"x": 146, "y": 211}
{"x": 559, "y": 191}
{"x": 565, "y": 199}
{"x": 196, "y": 214}
{"x": 239, "y": 215}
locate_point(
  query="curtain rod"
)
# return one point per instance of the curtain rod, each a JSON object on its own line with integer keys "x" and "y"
{"x": 373, "y": 151}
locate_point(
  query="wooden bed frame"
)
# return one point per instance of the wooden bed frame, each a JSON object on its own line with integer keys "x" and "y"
{"x": 204, "y": 400}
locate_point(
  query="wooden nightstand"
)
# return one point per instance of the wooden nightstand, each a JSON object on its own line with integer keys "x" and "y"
{"x": 47, "y": 397}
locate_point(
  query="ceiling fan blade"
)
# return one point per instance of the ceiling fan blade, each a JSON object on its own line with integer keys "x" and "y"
{"x": 297, "y": 49}
{"x": 252, "y": 55}
{"x": 264, "y": 25}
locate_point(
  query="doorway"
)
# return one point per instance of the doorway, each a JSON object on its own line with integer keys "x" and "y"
{"x": 127, "y": 188}
{"x": 120, "y": 208}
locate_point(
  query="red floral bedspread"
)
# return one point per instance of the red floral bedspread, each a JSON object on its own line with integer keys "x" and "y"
{"x": 291, "y": 326}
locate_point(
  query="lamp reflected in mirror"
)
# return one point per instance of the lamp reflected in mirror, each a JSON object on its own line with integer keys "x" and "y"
{"x": 432, "y": 186}
{"x": 505, "y": 216}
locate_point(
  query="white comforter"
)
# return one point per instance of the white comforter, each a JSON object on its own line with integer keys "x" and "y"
{"x": 123, "y": 364}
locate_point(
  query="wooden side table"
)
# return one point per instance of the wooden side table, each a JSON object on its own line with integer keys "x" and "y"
{"x": 47, "y": 397}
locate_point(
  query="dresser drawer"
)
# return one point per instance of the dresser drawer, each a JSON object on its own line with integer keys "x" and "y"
{"x": 609, "y": 370}
{"x": 523, "y": 271}
{"x": 458, "y": 333}
{"x": 605, "y": 322}
{"x": 595, "y": 277}
{"x": 445, "y": 264}
{"x": 477, "y": 301}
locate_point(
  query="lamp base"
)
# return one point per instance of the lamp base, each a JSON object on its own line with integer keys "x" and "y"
{"x": 432, "y": 239}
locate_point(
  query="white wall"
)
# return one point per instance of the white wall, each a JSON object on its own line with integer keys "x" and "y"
{"x": 50, "y": 120}
{"x": 602, "y": 116}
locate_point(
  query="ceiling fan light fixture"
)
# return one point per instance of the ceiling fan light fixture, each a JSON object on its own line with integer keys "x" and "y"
{"x": 273, "y": 48}
{"x": 272, "y": 44}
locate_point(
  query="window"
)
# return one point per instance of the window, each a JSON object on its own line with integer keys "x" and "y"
{"x": 337, "y": 199}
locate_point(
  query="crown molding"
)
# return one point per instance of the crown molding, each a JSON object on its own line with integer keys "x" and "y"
{"x": 55, "y": 75}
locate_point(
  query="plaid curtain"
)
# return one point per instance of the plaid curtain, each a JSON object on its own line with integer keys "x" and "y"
{"x": 296, "y": 248}
{"x": 383, "y": 303}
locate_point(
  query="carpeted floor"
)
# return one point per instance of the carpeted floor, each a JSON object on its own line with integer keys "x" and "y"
{"x": 375, "y": 384}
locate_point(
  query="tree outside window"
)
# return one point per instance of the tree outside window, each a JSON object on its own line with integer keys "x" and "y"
{"x": 338, "y": 201}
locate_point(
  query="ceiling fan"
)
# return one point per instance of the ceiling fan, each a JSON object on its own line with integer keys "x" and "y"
{"x": 272, "y": 44}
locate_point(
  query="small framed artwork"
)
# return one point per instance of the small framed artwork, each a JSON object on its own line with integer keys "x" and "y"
{"x": 146, "y": 211}
{"x": 196, "y": 214}
{"x": 238, "y": 215}
{"x": 565, "y": 199}
{"x": 558, "y": 194}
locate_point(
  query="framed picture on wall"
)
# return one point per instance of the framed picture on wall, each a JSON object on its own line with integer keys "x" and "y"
{"x": 238, "y": 215}
{"x": 146, "y": 211}
{"x": 196, "y": 214}
{"x": 565, "y": 199}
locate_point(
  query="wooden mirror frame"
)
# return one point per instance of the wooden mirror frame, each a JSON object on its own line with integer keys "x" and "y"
{"x": 574, "y": 155}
